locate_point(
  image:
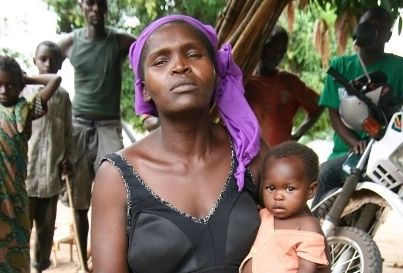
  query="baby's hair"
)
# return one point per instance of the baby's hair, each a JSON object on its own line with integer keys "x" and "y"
{"x": 308, "y": 157}
{"x": 52, "y": 46}
{"x": 10, "y": 65}
{"x": 206, "y": 42}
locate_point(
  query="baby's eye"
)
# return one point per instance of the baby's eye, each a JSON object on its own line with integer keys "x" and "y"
{"x": 290, "y": 189}
{"x": 270, "y": 188}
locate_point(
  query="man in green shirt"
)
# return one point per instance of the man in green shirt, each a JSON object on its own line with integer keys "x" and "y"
{"x": 97, "y": 53}
{"x": 375, "y": 59}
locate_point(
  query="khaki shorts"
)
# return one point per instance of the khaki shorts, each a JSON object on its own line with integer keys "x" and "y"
{"x": 92, "y": 140}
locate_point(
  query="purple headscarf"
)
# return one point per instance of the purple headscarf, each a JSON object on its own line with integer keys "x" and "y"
{"x": 229, "y": 96}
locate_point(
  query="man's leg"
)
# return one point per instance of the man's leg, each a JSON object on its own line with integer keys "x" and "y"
{"x": 330, "y": 177}
{"x": 81, "y": 217}
{"x": 84, "y": 137}
{"x": 45, "y": 218}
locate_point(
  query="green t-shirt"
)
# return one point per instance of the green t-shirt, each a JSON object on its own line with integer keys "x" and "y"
{"x": 98, "y": 68}
{"x": 350, "y": 68}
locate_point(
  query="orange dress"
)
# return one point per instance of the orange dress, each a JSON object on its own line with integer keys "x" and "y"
{"x": 278, "y": 251}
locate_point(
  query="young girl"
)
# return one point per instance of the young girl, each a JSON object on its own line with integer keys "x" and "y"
{"x": 16, "y": 116}
{"x": 289, "y": 238}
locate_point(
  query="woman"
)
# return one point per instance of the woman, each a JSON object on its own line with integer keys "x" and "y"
{"x": 182, "y": 199}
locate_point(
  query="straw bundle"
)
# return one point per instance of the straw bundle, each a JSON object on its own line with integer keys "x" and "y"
{"x": 246, "y": 25}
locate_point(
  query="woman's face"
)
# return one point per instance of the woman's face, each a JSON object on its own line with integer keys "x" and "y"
{"x": 178, "y": 71}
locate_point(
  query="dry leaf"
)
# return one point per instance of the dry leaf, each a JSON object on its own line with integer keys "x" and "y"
{"x": 342, "y": 29}
{"x": 321, "y": 40}
{"x": 325, "y": 54}
{"x": 290, "y": 16}
{"x": 318, "y": 31}
{"x": 303, "y": 4}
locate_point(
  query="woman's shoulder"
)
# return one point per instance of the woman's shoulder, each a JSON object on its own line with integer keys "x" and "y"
{"x": 139, "y": 150}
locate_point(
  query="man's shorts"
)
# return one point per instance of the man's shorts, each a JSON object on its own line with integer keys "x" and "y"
{"x": 92, "y": 140}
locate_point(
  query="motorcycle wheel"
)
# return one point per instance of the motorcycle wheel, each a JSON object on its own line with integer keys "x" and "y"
{"x": 353, "y": 250}
{"x": 324, "y": 208}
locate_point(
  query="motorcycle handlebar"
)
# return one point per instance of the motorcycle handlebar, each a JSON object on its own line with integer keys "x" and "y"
{"x": 349, "y": 86}
{"x": 339, "y": 78}
{"x": 352, "y": 90}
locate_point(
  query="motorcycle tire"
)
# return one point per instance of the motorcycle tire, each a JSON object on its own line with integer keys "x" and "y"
{"x": 324, "y": 208}
{"x": 353, "y": 250}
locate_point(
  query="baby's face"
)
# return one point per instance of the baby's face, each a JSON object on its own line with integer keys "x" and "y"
{"x": 285, "y": 188}
{"x": 10, "y": 89}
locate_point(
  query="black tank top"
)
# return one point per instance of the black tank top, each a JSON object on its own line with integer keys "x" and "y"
{"x": 163, "y": 239}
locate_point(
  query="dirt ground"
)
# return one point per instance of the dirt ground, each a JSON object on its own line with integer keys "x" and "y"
{"x": 389, "y": 237}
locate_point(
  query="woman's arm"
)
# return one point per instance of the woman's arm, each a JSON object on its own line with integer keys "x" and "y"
{"x": 108, "y": 221}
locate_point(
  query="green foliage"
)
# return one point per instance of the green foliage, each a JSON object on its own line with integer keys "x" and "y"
{"x": 20, "y": 58}
{"x": 359, "y": 6}
{"x": 302, "y": 58}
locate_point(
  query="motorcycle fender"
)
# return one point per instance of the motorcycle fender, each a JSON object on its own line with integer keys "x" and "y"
{"x": 391, "y": 198}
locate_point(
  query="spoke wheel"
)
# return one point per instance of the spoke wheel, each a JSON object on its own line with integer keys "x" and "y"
{"x": 353, "y": 251}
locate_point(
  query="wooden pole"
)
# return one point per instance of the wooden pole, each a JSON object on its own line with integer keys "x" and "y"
{"x": 76, "y": 237}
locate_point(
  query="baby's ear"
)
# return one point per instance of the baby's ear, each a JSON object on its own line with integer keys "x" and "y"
{"x": 313, "y": 188}
{"x": 146, "y": 96}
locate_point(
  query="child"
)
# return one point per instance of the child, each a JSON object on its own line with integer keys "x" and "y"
{"x": 16, "y": 115}
{"x": 49, "y": 150}
{"x": 289, "y": 238}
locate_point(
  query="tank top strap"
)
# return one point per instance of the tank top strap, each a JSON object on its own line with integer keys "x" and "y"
{"x": 130, "y": 179}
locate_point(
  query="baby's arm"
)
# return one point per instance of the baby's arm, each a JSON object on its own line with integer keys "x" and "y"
{"x": 305, "y": 266}
{"x": 311, "y": 224}
{"x": 50, "y": 81}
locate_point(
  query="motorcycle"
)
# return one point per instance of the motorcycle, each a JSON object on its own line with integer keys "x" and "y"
{"x": 351, "y": 215}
